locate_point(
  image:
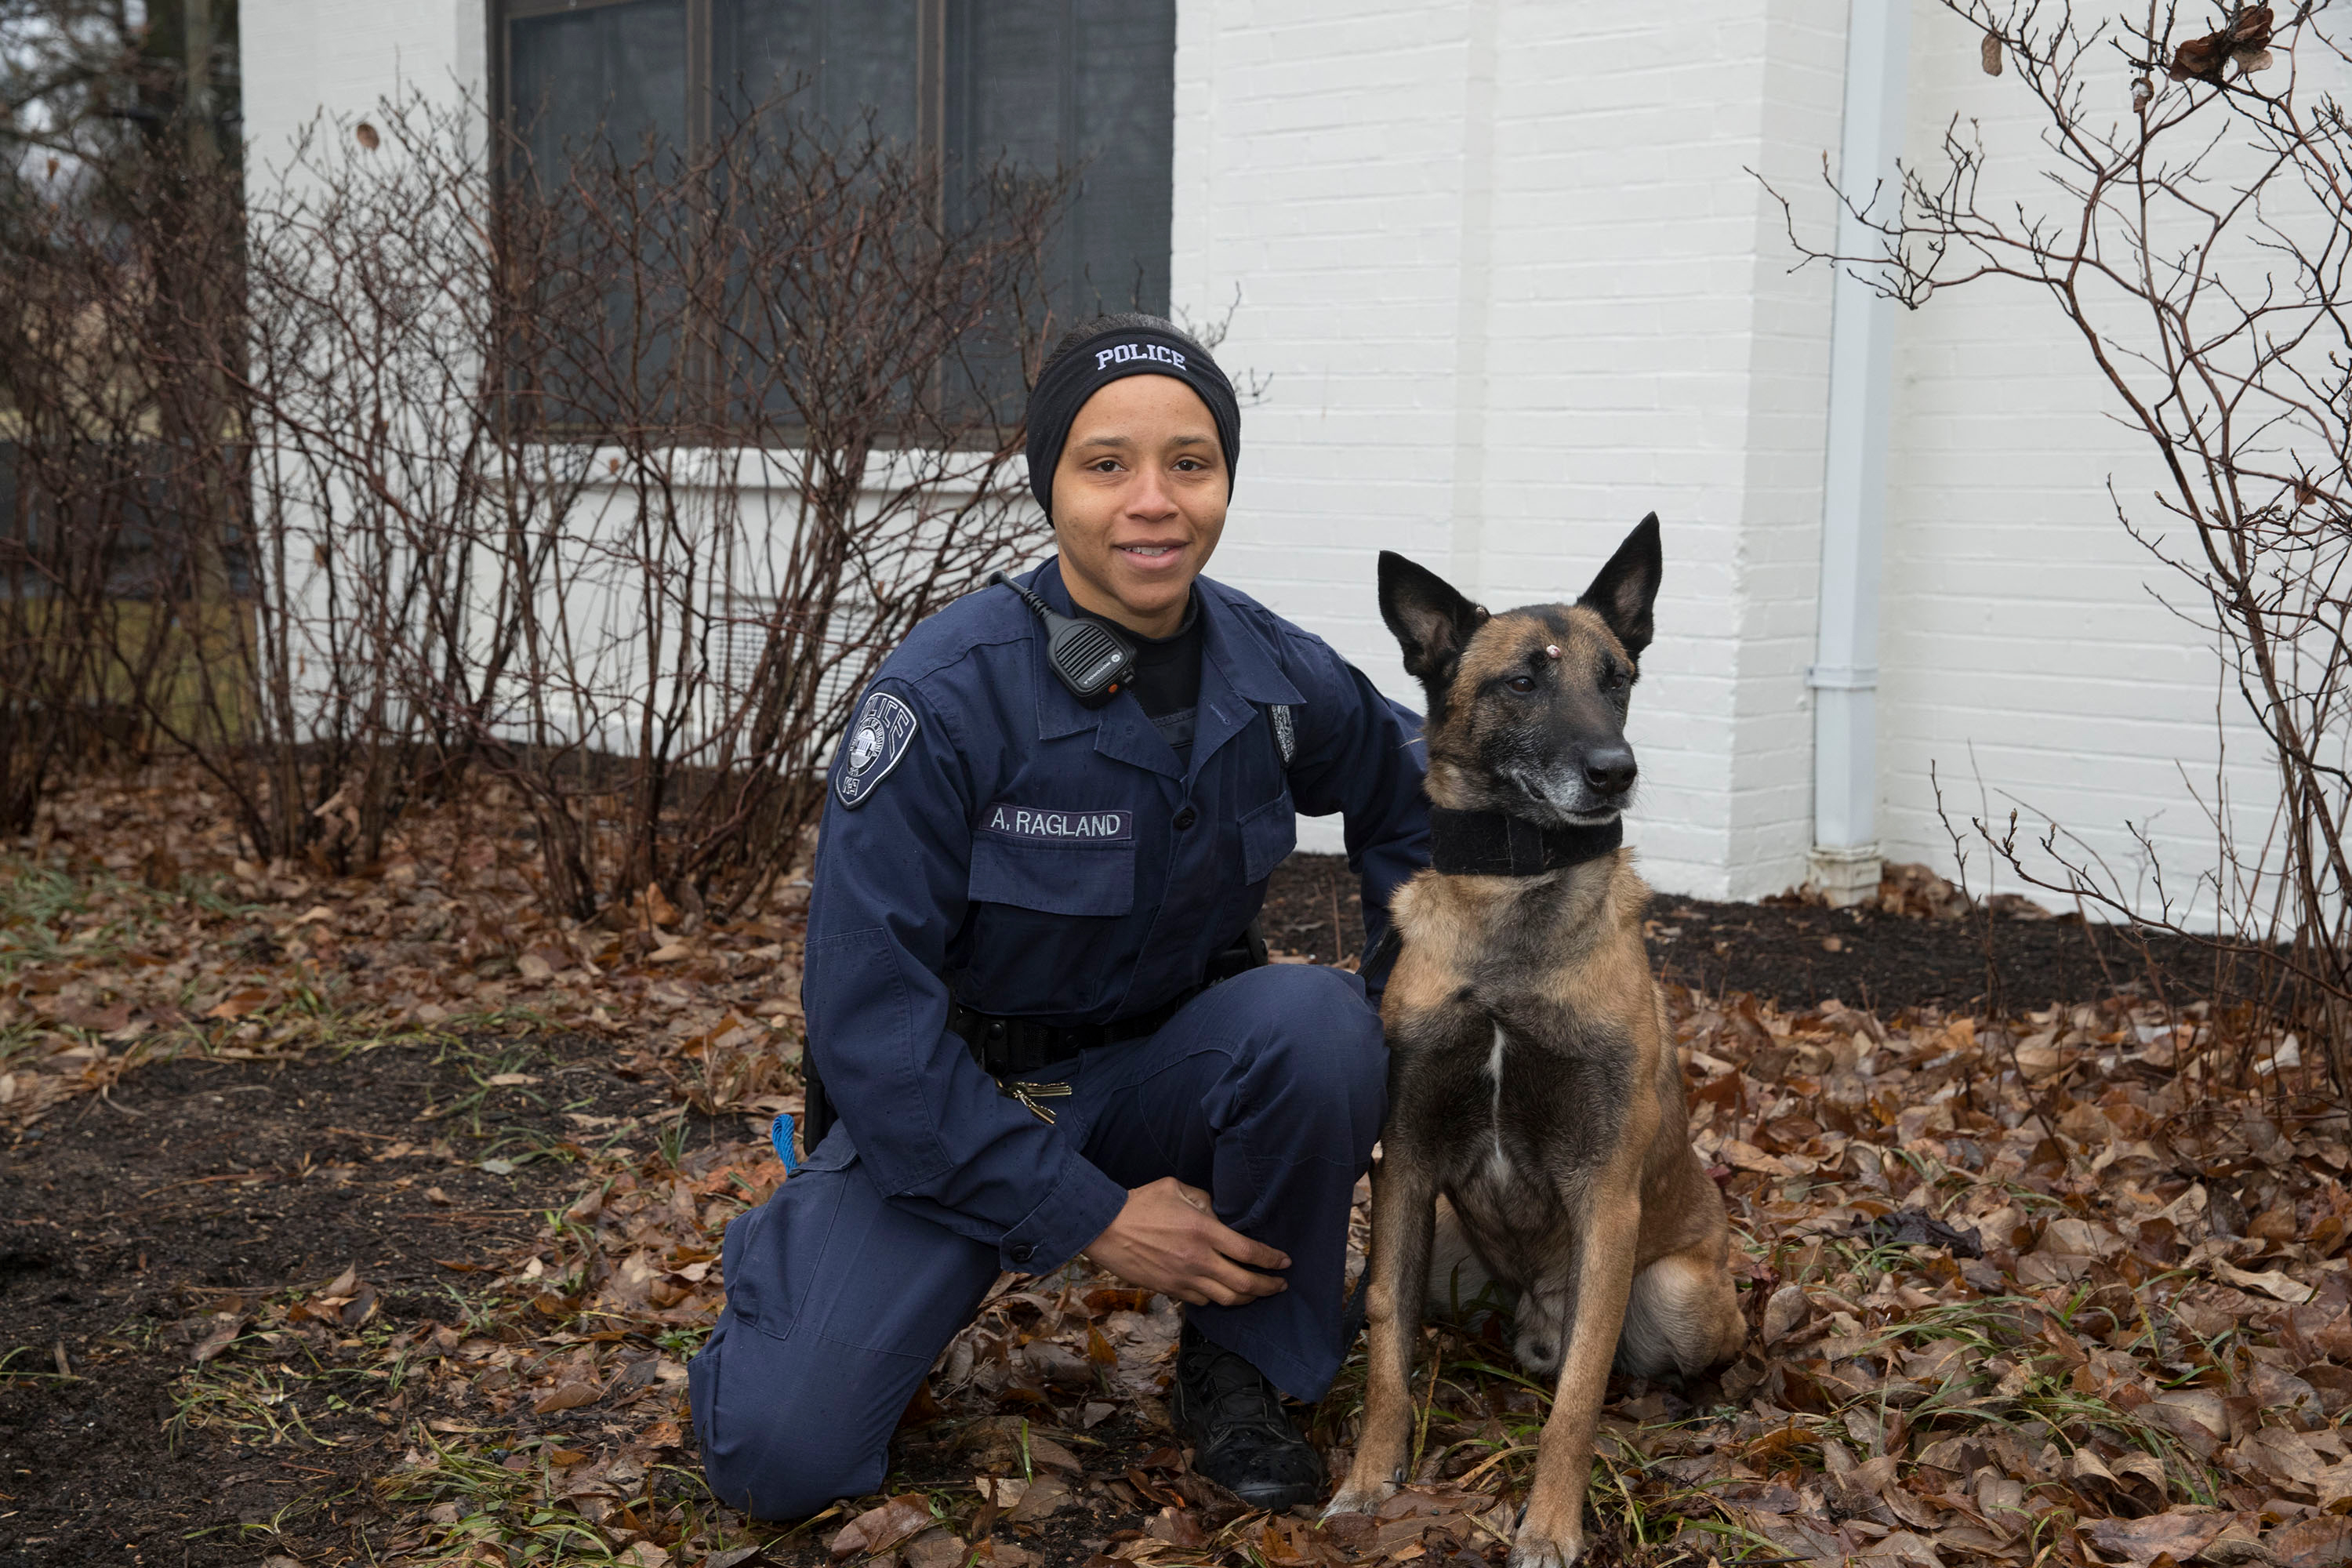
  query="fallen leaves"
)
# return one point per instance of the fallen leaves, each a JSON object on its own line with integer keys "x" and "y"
{"x": 2078, "y": 1276}
{"x": 2323, "y": 1541}
{"x": 236, "y": 1005}
{"x": 2112, "y": 1290}
{"x": 104, "y": 961}
{"x": 1041, "y": 1498}
{"x": 343, "y": 1301}
{"x": 2270, "y": 1282}
{"x": 1784, "y": 1311}
{"x": 225, "y": 1327}
{"x": 2181, "y": 1537}
{"x": 566, "y": 1397}
{"x": 879, "y": 1530}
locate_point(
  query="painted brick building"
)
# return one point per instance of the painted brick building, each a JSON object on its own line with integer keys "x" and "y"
{"x": 1510, "y": 279}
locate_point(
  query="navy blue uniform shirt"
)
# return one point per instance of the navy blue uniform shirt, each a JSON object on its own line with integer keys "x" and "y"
{"x": 988, "y": 840}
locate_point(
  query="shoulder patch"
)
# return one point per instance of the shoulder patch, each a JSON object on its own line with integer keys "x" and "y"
{"x": 879, "y": 736}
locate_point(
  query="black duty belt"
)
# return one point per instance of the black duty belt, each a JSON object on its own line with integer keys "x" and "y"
{"x": 1008, "y": 1046}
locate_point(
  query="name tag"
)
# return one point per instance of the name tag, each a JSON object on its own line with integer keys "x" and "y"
{"x": 1048, "y": 826}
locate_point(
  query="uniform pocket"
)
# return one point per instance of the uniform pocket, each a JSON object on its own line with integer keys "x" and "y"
{"x": 1053, "y": 879}
{"x": 1268, "y": 834}
{"x": 770, "y": 1254}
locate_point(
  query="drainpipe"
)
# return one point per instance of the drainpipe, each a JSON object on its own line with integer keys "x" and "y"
{"x": 1844, "y": 863}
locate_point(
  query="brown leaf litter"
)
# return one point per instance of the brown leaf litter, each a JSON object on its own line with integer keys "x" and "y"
{"x": 130, "y": 928}
{"x": 2069, "y": 1287}
{"x": 2097, "y": 1310}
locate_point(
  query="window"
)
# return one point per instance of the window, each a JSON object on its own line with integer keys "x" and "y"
{"x": 1082, "y": 84}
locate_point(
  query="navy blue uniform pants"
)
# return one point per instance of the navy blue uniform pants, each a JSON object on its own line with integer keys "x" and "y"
{"x": 1267, "y": 1092}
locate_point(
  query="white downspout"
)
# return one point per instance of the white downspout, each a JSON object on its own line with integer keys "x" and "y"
{"x": 1845, "y": 864}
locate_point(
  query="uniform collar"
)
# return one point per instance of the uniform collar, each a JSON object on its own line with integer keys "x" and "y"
{"x": 1238, "y": 670}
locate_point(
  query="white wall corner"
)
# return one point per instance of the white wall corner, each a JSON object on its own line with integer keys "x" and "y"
{"x": 1775, "y": 589}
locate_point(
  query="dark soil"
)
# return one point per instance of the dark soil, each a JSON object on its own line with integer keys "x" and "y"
{"x": 1800, "y": 955}
{"x": 204, "y": 1186}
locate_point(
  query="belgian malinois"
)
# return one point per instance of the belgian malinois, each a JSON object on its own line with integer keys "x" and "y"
{"x": 1537, "y": 1124}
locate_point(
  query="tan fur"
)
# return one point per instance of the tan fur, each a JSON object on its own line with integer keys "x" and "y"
{"x": 1636, "y": 1274}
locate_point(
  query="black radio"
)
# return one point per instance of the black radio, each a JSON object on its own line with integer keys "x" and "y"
{"x": 1090, "y": 659}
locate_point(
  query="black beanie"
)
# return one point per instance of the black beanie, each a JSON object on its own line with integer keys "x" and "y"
{"x": 1094, "y": 357}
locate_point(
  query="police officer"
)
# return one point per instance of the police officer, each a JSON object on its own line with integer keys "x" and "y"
{"x": 1029, "y": 995}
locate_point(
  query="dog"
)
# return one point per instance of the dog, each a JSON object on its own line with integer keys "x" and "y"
{"x": 1537, "y": 1121}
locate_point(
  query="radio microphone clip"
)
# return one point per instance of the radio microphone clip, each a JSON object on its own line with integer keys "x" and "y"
{"x": 1092, "y": 662}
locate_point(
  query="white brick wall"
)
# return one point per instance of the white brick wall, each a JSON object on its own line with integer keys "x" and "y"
{"x": 2025, "y": 642}
{"x": 1514, "y": 285}
{"x": 344, "y": 56}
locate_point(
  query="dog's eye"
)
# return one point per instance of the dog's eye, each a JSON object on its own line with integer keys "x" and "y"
{"x": 1521, "y": 683}
{"x": 1616, "y": 677}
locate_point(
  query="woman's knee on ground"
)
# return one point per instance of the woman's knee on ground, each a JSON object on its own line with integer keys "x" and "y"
{"x": 789, "y": 1476}
{"x": 768, "y": 1448}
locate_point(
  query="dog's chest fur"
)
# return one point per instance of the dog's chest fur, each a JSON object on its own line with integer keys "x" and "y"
{"x": 1511, "y": 1020}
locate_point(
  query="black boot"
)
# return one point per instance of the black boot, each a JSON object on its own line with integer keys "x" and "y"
{"x": 1240, "y": 1438}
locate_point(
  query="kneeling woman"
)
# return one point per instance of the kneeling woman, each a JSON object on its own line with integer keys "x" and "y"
{"x": 1029, "y": 991}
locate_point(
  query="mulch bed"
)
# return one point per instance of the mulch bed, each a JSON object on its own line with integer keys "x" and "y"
{"x": 138, "y": 1226}
{"x": 1796, "y": 954}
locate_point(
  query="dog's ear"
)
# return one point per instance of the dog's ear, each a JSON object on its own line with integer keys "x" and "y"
{"x": 1430, "y": 622}
{"x": 1627, "y": 587}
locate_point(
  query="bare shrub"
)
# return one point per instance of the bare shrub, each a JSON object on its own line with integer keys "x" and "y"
{"x": 2193, "y": 234}
{"x": 794, "y": 362}
{"x": 613, "y": 481}
{"x": 122, "y": 550}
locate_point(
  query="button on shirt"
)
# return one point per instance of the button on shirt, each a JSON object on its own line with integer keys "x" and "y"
{"x": 1025, "y": 856}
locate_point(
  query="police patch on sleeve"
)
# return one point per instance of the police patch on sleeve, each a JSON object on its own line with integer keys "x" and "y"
{"x": 879, "y": 736}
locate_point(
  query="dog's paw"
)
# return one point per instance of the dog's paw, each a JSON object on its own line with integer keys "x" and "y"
{"x": 1533, "y": 1550}
{"x": 1356, "y": 1498}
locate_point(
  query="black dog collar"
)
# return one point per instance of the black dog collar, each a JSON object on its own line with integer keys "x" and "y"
{"x": 1491, "y": 843}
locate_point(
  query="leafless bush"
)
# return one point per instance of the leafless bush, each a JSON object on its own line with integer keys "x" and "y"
{"x": 2194, "y": 233}
{"x": 613, "y": 481}
{"x": 795, "y": 363}
{"x": 117, "y": 598}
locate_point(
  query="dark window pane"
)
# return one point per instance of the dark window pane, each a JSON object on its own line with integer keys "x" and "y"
{"x": 1082, "y": 84}
{"x": 1082, "y": 88}
{"x": 840, "y": 58}
{"x": 614, "y": 73}
{"x": 1124, "y": 105}
{"x": 819, "y": 74}
{"x": 598, "y": 97}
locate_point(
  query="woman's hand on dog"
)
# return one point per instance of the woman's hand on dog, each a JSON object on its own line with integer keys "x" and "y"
{"x": 1167, "y": 1238}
